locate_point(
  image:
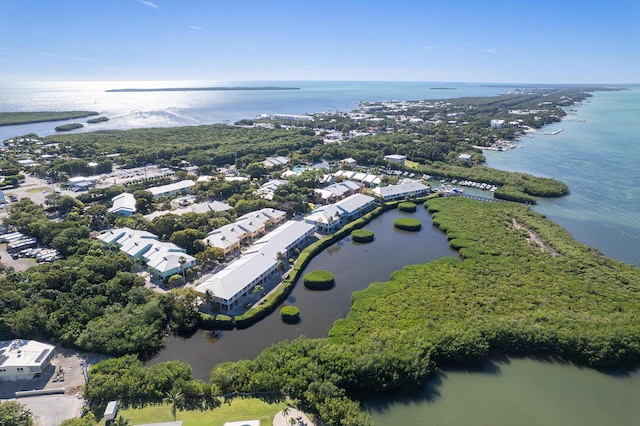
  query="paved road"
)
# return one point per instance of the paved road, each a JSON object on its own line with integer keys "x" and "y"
{"x": 51, "y": 410}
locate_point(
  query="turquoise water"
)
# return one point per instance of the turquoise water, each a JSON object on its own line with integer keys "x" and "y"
{"x": 127, "y": 110}
{"x": 598, "y": 155}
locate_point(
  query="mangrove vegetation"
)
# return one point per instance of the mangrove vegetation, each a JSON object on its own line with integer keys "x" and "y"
{"x": 523, "y": 286}
{"x": 14, "y": 118}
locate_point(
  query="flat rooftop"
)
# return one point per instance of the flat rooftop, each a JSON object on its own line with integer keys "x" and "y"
{"x": 21, "y": 353}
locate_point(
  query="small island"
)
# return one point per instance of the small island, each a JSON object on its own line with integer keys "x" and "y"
{"x": 407, "y": 206}
{"x": 100, "y": 119}
{"x": 408, "y": 224}
{"x": 362, "y": 236}
{"x": 203, "y": 89}
{"x": 290, "y": 314}
{"x": 68, "y": 127}
{"x": 16, "y": 118}
{"x": 319, "y": 280}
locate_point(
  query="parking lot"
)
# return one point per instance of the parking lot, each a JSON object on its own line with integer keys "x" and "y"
{"x": 65, "y": 373}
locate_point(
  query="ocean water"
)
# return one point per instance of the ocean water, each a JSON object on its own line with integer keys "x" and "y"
{"x": 597, "y": 153}
{"x": 127, "y": 110}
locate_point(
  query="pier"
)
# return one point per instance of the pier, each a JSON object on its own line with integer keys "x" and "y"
{"x": 553, "y": 133}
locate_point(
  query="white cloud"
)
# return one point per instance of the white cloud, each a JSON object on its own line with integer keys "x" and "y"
{"x": 149, "y": 3}
{"x": 491, "y": 51}
{"x": 193, "y": 27}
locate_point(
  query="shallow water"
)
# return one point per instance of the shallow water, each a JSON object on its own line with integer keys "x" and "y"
{"x": 516, "y": 391}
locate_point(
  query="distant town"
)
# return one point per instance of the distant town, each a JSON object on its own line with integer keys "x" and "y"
{"x": 210, "y": 220}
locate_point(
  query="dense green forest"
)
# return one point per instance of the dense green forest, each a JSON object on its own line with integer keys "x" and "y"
{"x": 215, "y": 144}
{"x": 524, "y": 286}
{"x": 14, "y": 118}
{"x": 92, "y": 299}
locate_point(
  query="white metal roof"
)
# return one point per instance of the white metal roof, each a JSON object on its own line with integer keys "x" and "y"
{"x": 123, "y": 202}
{"x": 172, "y": 187}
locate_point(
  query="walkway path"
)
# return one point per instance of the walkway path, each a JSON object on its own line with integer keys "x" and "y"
{"x": 282, "y": 419}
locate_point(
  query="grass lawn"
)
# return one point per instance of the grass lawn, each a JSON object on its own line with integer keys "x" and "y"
{"x": 38, "y": 189}
{"x": 239, "y": 409}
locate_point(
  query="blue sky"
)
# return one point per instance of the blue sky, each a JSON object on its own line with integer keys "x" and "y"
{"x": 240, "y": 40}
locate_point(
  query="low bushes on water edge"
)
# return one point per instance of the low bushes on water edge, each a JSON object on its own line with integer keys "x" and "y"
{"x": 261, "y": 310}
{"x": 215, "y": 322}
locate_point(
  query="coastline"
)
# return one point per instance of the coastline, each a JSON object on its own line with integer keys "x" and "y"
{"x": 202, "y": 89}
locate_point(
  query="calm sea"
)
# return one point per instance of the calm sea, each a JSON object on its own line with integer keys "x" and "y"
{"x": 596, "y": 154}
{"x": 127, "y": 110}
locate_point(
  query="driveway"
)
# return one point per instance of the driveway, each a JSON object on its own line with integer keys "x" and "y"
{"x": 51, "y": 410}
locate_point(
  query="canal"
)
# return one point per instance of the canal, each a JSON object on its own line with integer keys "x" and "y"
{"x": 354, "y": 267}
{"x": 502, "y": 391}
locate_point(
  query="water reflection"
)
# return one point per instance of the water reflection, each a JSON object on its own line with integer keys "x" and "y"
{"x": 354, "y": 267}
{"x": 508, "y": 390}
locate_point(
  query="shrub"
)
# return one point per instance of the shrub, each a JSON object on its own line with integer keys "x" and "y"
{"x": 407, "y": 206}
{"x": 408, "y": 224}
{"x": 362, "y": 236}
{"x": 509, "y": 193}
{"x": 290, "y": 314}
{"x": 268, "y": 305}
{"x": 215, "y": 322}
{"x": 319, "y": 280}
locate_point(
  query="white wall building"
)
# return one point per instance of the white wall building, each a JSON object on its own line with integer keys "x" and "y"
{"x": 181, "y": 187}
{"x": 331, "y": 193}
{"x": 123, "y": 204}
{"x": 23, "y": 359}
{"x": 497, "y": 124}
{"x": 246, "y": 227}
{"x": 256, "y": 266}
{"x": 406, "y": 189}
{"x": 465, "y": 157}
{"x": 276, "y": 161}
{"x": 79, "y": 183}
{"x": 396, "y": 158}
{"x": 328, "y": 219}
{"x": 163, "y": 259}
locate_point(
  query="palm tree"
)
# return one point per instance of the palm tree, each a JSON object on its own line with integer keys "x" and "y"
{"x": 285, "y": 412}
{"x": 208, "y": 298}
{"x": 182, "y": 262}
{"x": 173, "y": 398}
